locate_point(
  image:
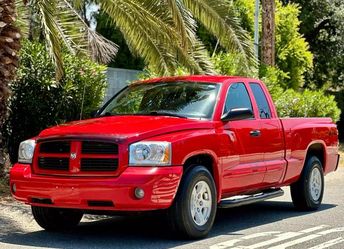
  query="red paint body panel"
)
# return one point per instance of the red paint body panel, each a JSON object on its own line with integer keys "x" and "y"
{"x": 159, "y": 184}
{"x": 300, "y": 134}
{"x": 241, "y": 163}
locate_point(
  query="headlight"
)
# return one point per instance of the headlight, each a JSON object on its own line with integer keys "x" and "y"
{"x": 150, "y": 153}
{"x": 26, "y": 150}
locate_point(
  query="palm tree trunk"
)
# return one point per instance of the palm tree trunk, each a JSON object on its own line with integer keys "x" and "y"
{"x": 268, "y": 34}
{"x": 9, "y": 47}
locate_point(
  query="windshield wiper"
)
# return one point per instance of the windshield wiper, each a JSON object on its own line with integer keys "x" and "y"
{"x": 164, "y": 113}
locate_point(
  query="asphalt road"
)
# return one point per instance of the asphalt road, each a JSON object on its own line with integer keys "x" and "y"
{"x": 270, "y": 224}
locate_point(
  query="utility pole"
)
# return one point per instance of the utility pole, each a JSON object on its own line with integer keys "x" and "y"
{"x": 256, "y": 30}
{"x": 268, "y": 37}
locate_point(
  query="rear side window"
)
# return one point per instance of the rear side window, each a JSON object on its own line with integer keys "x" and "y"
{"x": 237, "y": 97}
{"x": 263, "y": 105}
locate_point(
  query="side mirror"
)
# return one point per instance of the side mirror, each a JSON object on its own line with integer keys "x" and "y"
{"x": 237, "y": 114}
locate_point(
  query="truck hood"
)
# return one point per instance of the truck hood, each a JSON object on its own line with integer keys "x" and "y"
{"x": 123, "y": 128}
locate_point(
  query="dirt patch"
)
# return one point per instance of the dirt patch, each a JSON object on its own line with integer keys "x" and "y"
{"x": 4, "y": 188}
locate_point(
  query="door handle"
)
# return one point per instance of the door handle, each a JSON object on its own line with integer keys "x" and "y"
{"x": 255, "y": 133}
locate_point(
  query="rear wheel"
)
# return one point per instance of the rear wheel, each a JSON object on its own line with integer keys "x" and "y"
{"x": 56, "y": 219}
{"x": 307, "y": 192}
{"x": 193, "y": 211}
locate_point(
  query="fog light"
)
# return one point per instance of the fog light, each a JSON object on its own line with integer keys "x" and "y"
{"x": 14, "y": 188}
{"x": 139, "y": 193}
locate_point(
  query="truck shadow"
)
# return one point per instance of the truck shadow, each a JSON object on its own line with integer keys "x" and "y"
{"x": 149, "y": 231}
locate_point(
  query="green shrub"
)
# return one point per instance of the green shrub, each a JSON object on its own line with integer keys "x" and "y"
{"x": 291, "y": 103}
{"x": 38, "y": 101}
{"x": 293, "y": 56}
{"x": 307, "y": 104}
{"x": 232, "y": 64}
{"x": 273, "y": 77}
{"x": 292, "y": 50}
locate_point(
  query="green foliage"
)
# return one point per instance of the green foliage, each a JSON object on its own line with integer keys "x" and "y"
{"x": 339, "y": 95}
{"x": 124, "y": 58}
{"x": 292, "y": 103}
{"x": 293, "y": 60}
{"x": 293, "y": 56}
{"x": 322, "y": 23}
{"x": 307, "y": 104}
{"x": 163, "y": 33}
{"x": 38, "y": 101}
{"x": 224, "y": 63}
{"x": 59, "y": 26}
{"x": 232, "y": 64}
{"x": 272, "y": 77}
{"x": 292, "y": 50}
{"x": 149, "y": 73}
{"x": 246, "y": 10}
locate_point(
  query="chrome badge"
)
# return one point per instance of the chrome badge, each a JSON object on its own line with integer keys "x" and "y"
{"x": 72, "y": 156}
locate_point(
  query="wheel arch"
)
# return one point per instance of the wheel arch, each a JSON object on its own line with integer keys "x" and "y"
{"x": 318, "y": 149}
{"x": 209, "y": 160}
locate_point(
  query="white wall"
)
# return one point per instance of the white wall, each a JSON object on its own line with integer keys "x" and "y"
{"x": 117, "y": 79}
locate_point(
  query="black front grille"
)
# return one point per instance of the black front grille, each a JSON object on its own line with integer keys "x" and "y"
{"x": 53, "y": 163}
{"x": 94, "y": 147}
{"x": 98, "y": 164}
{"x": 55, "y": 147}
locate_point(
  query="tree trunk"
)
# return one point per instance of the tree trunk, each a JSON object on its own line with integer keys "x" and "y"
{"x": 268, "y": 34}
{"x": 9, "y": 47}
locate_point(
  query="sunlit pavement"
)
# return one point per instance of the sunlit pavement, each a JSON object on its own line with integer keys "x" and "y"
{"x": 270, "y": 224}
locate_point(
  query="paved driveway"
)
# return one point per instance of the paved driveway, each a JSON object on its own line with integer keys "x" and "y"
{"x": 270, "y": 224}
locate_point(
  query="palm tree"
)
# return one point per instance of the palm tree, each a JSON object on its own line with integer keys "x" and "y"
{"x": 268, "y": 34}
{"x": 9, "y": 46}
{"x": 162, "y": 32}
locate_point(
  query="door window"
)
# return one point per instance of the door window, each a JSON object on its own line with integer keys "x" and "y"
{"x": 237, "y": 97}
{"x": 262, "y": 103}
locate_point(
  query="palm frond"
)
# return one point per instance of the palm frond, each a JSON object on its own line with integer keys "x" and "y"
{"x": 151, "y": 32}
{"x": 22, "y": 20}
{"x": 63, "y": 27}
{"x": 219, "y": 18}
{"x": 145, "y": 34}
{"x": 201, "y": 56}
{"x": 72, "y": 29}
{"x": 51, "y": 32}
{"x": 78, "y": 4}
{"x": 102, "y": 49}
{"x": 85, "y": 39}
{"x": 183, "y": 21}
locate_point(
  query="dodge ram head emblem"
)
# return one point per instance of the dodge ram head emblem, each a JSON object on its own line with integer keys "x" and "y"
{"x": 72, "y": 156}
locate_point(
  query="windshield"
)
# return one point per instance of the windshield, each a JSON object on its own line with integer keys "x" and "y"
{"x": 181, "y": 99}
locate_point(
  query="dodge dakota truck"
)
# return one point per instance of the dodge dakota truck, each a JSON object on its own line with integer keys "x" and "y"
{"x": 183, "y": 145}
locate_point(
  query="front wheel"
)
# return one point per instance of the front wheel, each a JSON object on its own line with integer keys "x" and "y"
{"x": 56, "y": 219}
{"x": 308, "y": 191}
{"x": 193, "y": 211}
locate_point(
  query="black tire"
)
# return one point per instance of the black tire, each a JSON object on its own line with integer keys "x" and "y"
{"x": 180, "y": 216}
{"x": 301, "y": 192}
{"x": 56, "y": 219}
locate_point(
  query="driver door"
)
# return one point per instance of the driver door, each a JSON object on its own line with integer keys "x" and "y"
{"x": 243, "y": 167}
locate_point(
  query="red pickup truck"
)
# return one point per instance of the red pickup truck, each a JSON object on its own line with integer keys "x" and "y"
{"x": 187, "y": 145}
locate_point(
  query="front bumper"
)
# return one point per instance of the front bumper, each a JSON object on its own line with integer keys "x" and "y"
{"x": 160, "y": 185}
